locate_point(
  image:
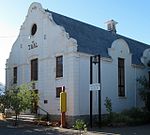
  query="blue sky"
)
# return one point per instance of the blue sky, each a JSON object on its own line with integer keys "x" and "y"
{"x": 133, "y": 17}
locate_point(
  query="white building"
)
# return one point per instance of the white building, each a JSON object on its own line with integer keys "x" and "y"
{"x": 54, "y": 51}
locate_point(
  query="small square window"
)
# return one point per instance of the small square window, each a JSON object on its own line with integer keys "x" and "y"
{"x": 45, "y": 101}
{"x": 58, "y": 91}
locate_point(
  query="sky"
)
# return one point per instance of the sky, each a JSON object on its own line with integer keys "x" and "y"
{"x": 133, "y": 17}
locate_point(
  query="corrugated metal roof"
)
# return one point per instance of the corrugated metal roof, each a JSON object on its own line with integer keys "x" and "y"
{"x": 94, "y": 40}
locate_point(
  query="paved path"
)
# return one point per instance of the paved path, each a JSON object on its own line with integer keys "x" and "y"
{"x": 135, "y": 130}
{"x": 37, "y": 130}
{"x": 32, "y": 131}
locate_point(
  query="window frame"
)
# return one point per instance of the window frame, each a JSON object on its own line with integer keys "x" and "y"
{"x": 34, "y": 69}
{"x": 121, "y": 77}
{"x": 58, "y": 91}
{"x": 33, "y": 29}
{"x": 15, "y": 72}
{"x": 59, "y": 66}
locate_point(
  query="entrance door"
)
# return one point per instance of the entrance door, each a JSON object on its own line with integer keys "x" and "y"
{"x": 34, "y": 107}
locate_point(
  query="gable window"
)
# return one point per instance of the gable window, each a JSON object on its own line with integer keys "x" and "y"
{"x": 59, "y": 66}
{"x": 34, "y": 70}
{"x": 33, "y": 29}
{"x": 15, "y": 75}
{"x": 58, "y": 91}
{"x": 121, "y": 77}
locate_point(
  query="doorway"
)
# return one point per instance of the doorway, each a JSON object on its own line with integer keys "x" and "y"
{"x": 34, "y": 107}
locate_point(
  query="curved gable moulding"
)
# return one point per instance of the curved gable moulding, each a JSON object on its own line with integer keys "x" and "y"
{"x": 145, "y": 59}
{"x": 37, "y": 6}
{"x": 48, "y": 14}
{"x": 119, "y": 47}
{"x": 34, "y": 6}
{"x": 32, "y": 11}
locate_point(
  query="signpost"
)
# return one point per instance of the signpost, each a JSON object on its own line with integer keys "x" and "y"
{"x": 95, "y": 86}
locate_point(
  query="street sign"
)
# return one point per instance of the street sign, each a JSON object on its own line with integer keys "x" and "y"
{"x": 94, "y": 87}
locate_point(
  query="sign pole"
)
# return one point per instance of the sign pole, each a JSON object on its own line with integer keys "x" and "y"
{"x": 91, "y": 80}
{"x": 95, "y": 86}
{"x": 99, "y": 92}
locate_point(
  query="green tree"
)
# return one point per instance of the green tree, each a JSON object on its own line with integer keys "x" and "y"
{"x": 3, "y": 103}
{"x": 144, "y": 91}
{"x": 19, "y": 98}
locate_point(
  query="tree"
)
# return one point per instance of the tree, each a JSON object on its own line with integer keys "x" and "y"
{"x": 3, "y": 103}
{"x": 144, "y": 91}
{"x": 19, "y": 98}
{"x": 2, "y": 89}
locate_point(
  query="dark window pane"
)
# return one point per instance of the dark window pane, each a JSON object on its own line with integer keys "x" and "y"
{"x": 15, "y": 75}
{"x": 34, "y": 29}
{"x": 59, "y": 66}
{"x": 121, "y": 77}
{"x": 45, "y": 101}
{"x": 58, "y": 90}
{"x": 34, "y": 70}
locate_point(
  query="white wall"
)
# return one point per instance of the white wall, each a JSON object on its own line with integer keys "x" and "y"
{"x": 56, "y": 43}
{"x": 53, "y": 41}
{"x": 109, "y": 80}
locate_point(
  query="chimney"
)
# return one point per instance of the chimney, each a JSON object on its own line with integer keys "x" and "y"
{"x": 111, "y": 26}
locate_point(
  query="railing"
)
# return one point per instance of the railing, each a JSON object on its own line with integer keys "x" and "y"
{"x": 47, "y": 114}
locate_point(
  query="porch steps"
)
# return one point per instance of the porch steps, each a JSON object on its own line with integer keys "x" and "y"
{"x": 24, "y": 117}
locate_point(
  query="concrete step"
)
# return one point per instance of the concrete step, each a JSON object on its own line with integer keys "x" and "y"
{"x": 24, "y": 117}
{"x": 27, "y": 117}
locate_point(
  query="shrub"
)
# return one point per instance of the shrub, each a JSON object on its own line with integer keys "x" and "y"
{"x": 120, "y": 118}
{"x": 79, "y": 125}
{"x": 137, "y": 116}
{"x": 133, "y": 113}
{"x": 108, "y": 106}
{"x": 133, "y": 116}
{"x": 2, "y": 108}
{"x": 144, "y": 91}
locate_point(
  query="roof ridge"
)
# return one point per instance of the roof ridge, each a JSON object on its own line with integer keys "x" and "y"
{"x": 95, "y": 40}
{"x": 47, "y": 10}
{"x": 91, "y": 25}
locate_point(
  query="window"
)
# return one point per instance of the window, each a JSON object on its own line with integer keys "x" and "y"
{"x": 15, "y": 75}
{"x": 121, "y": 77}
{"x": 59, "y": 66}
{"x": 34, "y": 70}
{"x": 149, "y": 78}
{"x": 33, "y": 29}
{"x": 45, "y": 101}
{"x": 58, "y": 91}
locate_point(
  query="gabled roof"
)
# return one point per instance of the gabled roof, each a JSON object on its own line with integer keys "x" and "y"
{"x": 94, "y": 40}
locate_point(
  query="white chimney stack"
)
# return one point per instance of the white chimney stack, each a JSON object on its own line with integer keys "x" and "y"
{"x": 111, "y": 26}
